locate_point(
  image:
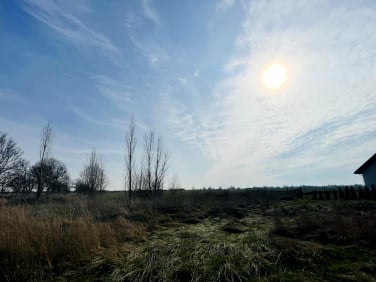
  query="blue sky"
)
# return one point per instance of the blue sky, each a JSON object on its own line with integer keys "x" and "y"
{"x": 192, "y": 72}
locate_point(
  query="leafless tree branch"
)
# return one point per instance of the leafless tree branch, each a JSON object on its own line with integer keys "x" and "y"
{"x": 44, "y": 152}
{"x": 130, "y": 146}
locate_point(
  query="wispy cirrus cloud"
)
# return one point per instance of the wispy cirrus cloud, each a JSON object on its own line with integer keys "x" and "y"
{"x": 150, "y": 12}
{"x": 60, "y": 17}
{"x": 116, "y": 90}
{"x": 352, "y": 129}
{"x": 110, "y": 121}
{"x": 154, "y": 54}
{"x": 223, "y": 5}
{"x": 145, "y": 40}
{"x": 184, "y": 80}
{"x": 105, "y": 121}
{"x": 325, "y": 107}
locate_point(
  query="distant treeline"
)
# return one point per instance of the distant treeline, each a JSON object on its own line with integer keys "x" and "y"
{"x": 147, "y": 173}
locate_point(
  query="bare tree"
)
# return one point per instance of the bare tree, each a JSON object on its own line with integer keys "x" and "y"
{"x": 93, "y": 178}
{"x": 45, "y": 150}
{"x": 130, "y": 144}
{"x": 160, "y": 165}
{"x": 174, "y": 183}
{"x": 139, "y": 183}
{"x": 155, "y": 163}
{"x": 149, "y": 158}
{"x": 10, "y": 160}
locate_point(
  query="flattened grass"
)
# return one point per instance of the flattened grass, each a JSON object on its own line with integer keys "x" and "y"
{"x": 187, "y": 239}
{"x": 201, "y": 252}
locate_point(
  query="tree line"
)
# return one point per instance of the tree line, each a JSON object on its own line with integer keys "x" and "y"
{"x": 145, "y": 175}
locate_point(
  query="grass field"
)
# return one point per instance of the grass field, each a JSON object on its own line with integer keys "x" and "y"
{"x": 212, "y": 235}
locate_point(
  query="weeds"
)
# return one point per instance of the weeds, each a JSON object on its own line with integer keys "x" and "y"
{"x": 34, "y": 242}
{"x": 339, "y": 224}
{"x": 181, "y": 237}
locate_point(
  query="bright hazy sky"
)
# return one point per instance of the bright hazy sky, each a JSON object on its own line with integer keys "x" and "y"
{"x": 192, "y": 71}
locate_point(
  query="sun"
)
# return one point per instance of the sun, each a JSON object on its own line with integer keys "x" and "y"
{"x": 274, "y": 76}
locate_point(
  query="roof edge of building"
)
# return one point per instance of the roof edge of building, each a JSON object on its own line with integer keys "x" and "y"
{"x": 364, "y": 166}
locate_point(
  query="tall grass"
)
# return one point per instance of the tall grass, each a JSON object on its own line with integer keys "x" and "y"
{"x": 104, "y": 235}
{"x": 39, "y": 241}
{"x": 185, "y": 236}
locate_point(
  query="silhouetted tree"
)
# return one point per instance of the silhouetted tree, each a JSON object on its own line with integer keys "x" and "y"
{"x": 21, "y": 181}
{"x": 130, "y": 164}
{"x": 44, "y": 151}
{"x": 140, "y": 180}
{"x": 55, "y": 175}
{"x": 160, "y": 165}
{"x": 93, "y": 178}
{"x": 82, "y": 187}
{"x": 155, "y": 163}
{"x": 10, "y": 161}
{"x": 149, "y": 158}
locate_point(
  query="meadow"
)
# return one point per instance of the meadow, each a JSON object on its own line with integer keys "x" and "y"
{"x": 203, "y": 235}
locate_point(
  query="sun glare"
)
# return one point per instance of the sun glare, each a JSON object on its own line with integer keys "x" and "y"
{"x": 275, "y": 75}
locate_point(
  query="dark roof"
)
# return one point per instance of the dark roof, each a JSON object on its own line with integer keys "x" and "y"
{"x": 364, "y": 166}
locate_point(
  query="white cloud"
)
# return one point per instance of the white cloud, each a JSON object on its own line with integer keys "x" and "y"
{"x": 150, "y": 12}
{"x": 224, "y": 5}
{"x": 249, "y": 135}
{"x": 132, "y": 20}
{"x": 105, "y": 120}
{"x": 149, "y": 49}
{"x": 324, "y": 110}
{"x": 196, "y": 73}
{"x": 145, "y": 41}
{"x": 118, "y": 91}
{"x": 59, "y": 16}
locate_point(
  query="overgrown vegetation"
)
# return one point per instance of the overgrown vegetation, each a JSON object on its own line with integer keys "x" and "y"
{"x": 212, "y": 235}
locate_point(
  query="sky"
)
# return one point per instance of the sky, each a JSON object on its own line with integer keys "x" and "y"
{"x": 192, "y": 72}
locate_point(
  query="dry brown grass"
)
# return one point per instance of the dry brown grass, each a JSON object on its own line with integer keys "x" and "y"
{"x": 197, "y": 236}
{"x": 3, "y": 202}
{"x": 34, "y": 243}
